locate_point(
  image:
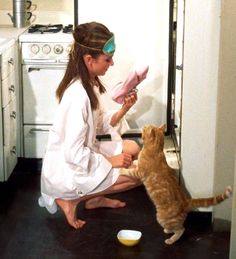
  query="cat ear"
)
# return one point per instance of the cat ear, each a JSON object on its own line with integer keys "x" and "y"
{"x": 163, "y": 128}
{"x": 148, "y": 130}
{"x": 152, "y": 132}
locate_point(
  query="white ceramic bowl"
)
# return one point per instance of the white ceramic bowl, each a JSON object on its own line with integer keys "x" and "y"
{"x": 129, "y": 237}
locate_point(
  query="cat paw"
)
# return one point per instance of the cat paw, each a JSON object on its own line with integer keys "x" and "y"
{"x": 177, "y": 234}
{"x": 169, "y": 241}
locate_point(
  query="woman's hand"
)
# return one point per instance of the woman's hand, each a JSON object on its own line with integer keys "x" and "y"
{"x": 119, "y": 161}
{"x": 130, "y": 100}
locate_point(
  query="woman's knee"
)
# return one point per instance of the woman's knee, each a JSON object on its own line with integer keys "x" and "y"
{"x": 131, "y": 147}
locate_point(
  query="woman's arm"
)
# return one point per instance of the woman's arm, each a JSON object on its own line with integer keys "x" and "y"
{"x": 130, "y": 100}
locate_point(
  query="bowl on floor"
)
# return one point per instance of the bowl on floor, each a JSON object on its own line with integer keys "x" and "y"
{"x": 129, "y": 237}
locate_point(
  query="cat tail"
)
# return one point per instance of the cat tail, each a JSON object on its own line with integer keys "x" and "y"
{"x": 207, "y": 202}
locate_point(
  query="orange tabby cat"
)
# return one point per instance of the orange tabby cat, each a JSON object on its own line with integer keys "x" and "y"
{"x": 172, "y": 206}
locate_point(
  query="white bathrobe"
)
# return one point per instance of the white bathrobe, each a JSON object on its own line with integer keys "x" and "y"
{"x": 74, "y": 164}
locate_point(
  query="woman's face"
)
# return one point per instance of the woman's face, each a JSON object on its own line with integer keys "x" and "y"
{"x": 99, "y": 66}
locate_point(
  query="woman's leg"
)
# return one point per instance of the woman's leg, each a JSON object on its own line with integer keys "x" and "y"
{"x": 97, "y": 200}
{"x": 123, "y": 183}
{"x": 69, "y": 209}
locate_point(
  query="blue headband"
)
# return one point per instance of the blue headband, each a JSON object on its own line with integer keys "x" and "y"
{"x": 108, "y": 48}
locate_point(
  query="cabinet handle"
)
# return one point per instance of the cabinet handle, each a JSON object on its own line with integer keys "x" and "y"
{"x": 11, "y": 61}
{"x": 13, "y": 150}
{"x": 13, "y": 115}
{"x": 12, "y": 88}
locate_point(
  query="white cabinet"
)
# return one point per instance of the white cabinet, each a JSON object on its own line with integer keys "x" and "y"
{"x": 8, "y": 113}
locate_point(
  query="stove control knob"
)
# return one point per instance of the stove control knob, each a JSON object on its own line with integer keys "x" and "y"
{"x": 34, "y": 48}
{"x": 58, "y": 49}
{"x": 68, "y": 48}
{"x": 46, "y": 49}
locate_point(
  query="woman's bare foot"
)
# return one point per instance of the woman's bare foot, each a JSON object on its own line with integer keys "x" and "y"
{"x": 69, "y": 209}
{"x": 102, "y": 201}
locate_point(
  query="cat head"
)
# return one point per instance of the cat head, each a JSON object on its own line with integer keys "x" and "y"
{"x": 153, "y": 137}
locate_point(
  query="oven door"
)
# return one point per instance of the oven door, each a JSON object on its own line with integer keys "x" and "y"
{"x": 39, "y": 86}
{"x": 35, "y": 140}
{"x": 39, "y": 105}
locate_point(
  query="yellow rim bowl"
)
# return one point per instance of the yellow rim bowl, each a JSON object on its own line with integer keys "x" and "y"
{"x": 129, "y": 237}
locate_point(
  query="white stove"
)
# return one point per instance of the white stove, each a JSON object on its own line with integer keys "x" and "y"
{"x": 44, "y": 57}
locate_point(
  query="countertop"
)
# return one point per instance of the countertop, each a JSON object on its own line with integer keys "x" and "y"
{"x": 8, "y": 35}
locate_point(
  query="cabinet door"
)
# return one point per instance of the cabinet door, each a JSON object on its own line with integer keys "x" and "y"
{"x": 10, "y": 160}
{"x": 8, "y": 89}
{"x": 9, "y": 137}
{"x": 8, "y": 62}
{"x": 9, "y": 124}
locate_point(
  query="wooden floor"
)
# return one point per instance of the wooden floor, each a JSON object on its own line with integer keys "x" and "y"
{"x": 28, "y": 231}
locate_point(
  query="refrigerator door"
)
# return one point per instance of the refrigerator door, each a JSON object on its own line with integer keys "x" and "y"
{"x": 141, "y": 31}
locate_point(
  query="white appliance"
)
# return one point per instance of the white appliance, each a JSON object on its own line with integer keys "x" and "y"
{"x": 44, "y": 52}
{"x": 141, "y": 31}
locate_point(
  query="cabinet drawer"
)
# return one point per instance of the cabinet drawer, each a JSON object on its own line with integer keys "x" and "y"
{"x": 9, "y": 123}
{"x": 10, "y": 160}
{"x": 8, "y": 62}
{"x": 8, "y": 89}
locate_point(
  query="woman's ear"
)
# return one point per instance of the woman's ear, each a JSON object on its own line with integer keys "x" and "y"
{"x": 88, "y": 60}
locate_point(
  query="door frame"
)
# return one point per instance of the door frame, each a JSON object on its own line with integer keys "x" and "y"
{"x": 171, "y": 69}
{"x": 171, "y": 101}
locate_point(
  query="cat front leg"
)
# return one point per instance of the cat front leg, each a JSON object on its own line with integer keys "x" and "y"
{"x": 131, "y": 171}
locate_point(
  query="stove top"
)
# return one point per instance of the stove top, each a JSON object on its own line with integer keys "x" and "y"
{"x": 51, "y": 28}
{"x": 48, "y": 33}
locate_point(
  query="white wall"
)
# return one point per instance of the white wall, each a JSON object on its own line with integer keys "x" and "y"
{"x": 208, "y": 121}
{"x": 226, "y": 106}
{"x": 141, "y": 34}
{"x": 200, "y": 82}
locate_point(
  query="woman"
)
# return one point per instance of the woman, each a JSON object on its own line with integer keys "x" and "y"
{"x": 76, "y": 166}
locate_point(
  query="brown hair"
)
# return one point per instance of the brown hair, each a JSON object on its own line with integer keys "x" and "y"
{"x": 89, "y": 38}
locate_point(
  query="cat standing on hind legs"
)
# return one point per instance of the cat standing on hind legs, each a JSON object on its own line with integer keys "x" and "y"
{"x": 160, "y": 181}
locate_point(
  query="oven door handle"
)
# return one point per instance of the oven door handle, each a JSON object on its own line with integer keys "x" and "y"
{"x": 34, "y": 131}
{"x": 38, "y": 68}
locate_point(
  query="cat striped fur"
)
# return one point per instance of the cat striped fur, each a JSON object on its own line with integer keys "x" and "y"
{"x": 160, "y": 181}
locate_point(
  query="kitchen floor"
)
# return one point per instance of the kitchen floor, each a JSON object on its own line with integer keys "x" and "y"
{"x": 28, "y": 231}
